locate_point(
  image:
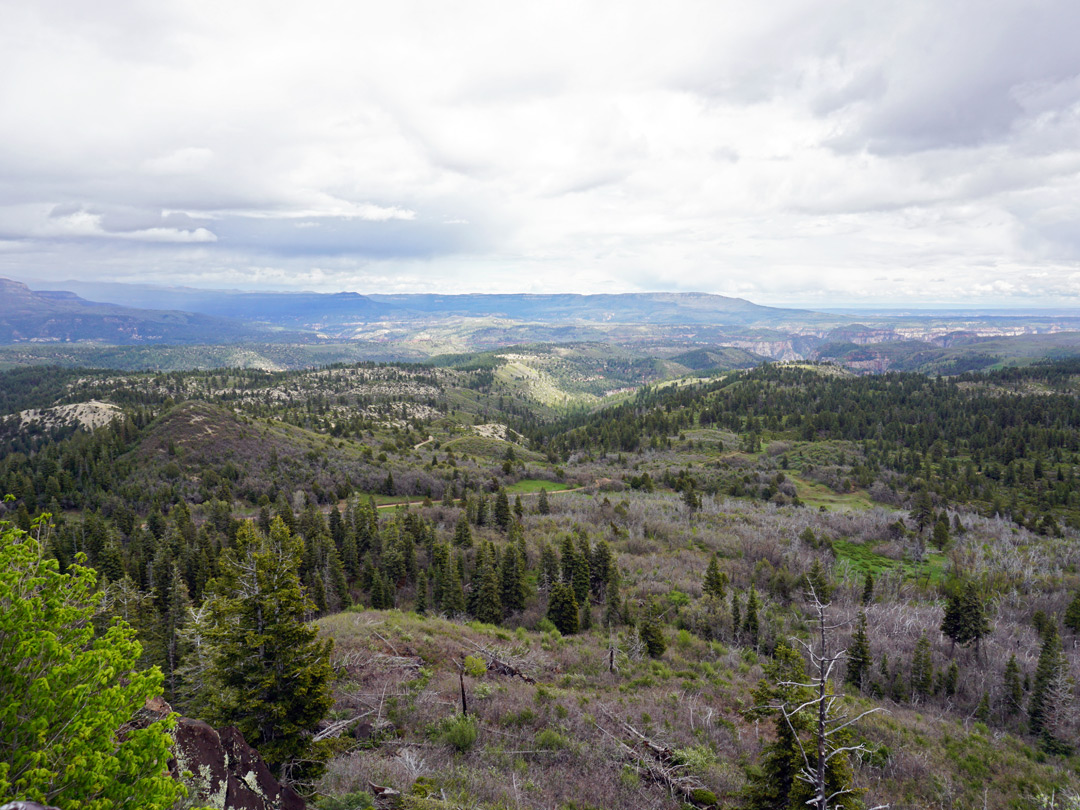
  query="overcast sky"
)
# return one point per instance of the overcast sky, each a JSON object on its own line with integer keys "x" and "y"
{"x": 815, "y": 153}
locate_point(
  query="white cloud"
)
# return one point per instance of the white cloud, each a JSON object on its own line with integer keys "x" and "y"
{"x": 800, "y": 150}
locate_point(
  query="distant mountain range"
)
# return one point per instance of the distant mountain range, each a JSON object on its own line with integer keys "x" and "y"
{"x": 62, "y": 316}
{"x": 696, "y": 330}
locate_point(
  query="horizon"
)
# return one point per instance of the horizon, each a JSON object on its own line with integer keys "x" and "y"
{"x": 805, "y": 154}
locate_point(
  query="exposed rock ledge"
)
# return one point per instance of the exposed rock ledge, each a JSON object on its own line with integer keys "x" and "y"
{"x": 227, "y": 773}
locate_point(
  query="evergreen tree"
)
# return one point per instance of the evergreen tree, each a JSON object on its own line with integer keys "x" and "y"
{"x": 453, "y": 600}
{"x": 463, "y": 534}
{"x": 422, "y": 594}
{"x": 715, "y": 583}
{"x": 502, "y": 510}
{"x": 563, "y": 608}
{"x": 965, "y": 619}
{"x": 542, "y": 505}
{"x": 1051, "y": 694}
{"x": 750, "y": 622}
{"x": 512, "y": 583}
{"x": 868, "y": 589}
{"x": 1072, "y": 614}
{"x": 859, "y": 660}
{"x": 1013, "y": 689}
{"x": 273, "y": 673}
{"x": 651, "y": 633}
{"x": 519, "y": 510}
{"x": 922, "y": 668}
{"x": 818, "y": 579}
{"x": 488, "y": 607}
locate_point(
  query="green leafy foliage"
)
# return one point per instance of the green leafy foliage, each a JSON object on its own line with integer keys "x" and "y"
{"x": 66, "y": 693}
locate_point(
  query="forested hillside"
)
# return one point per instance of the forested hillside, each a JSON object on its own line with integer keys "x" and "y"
{"x": 528, "y": 603}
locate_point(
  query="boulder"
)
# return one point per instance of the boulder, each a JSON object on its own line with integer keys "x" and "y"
{"x": 226, "y": 772}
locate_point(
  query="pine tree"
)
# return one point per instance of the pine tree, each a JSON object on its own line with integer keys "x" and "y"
{"x": 651, "y": 632}
{"x": 542, "y": 505}
{"x": 715, "y": 583}
{"x": 868, "y": 589}
{"x": 922, "y": 668}
{"x": 422, "y": 594}
{"x": 1072, "y": 614}
{"x": 463, "y": 534}
{"x": 965, "y": 619}
{"x": 519, "y": 510}
{"x": 502, "y": 510}
{"x": 563, "y": 608}
{"x": 1051, "y": 694}
{"x": 1013, "y": 689}
{"x": 273, "y": 673}
{"x": 859, "y": 660}
{"x": 750, "y": 623}
{"x": 488, "y": 606}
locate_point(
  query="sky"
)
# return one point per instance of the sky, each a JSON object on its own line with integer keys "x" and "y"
{"x": 812, "y": 153}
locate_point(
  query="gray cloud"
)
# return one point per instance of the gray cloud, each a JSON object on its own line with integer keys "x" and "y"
{"x": 810, "y": 150}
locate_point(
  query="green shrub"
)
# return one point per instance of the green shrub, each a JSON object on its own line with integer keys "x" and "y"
{"x": 475, "y": 667}
{"x": 551, "y": 740}
{"x": 459, "y": 732}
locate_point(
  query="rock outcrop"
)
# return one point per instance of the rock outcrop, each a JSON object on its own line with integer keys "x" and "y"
{"x": 225, "y": 772}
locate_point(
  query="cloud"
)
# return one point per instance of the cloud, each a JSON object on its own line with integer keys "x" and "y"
{"x": 798, "y": 151}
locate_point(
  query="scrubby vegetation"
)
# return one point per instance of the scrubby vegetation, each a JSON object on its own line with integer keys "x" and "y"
{"x": 538, "y": 608}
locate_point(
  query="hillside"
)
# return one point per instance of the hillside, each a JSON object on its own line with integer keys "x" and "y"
{"x": 897, "y": 495}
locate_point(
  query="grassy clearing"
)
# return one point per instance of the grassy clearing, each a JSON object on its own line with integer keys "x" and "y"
{"x": 816, "y": 495}
{"x": 530, "y": 485}
{"x": 864, "y": 559}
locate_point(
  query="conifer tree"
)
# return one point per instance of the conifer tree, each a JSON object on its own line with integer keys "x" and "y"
{"x": 750, "y": 623}
{"x": 422, "y": 593}
{"x": 868, "y": 589}
{"x": 651, "y": 632}
{"x": 463, "y": 534}
{"x": 67, "y": 693}
{"x": 563, "y": 608}
{"x": 519, "y": 510}
{"x": 502, "y": 510}
{"x": 1051, "y": 695}
{"x": 512, "y": 583}
{"x": 715, "y": 583}
{"x": 965, "y": 619}
{"x": 542, "y": 505}
{"x": 922, "y": 668}
{"x": 859, "y": 660}
{"x": 1072, "y": 614}
{"x": 453, "y": 599}
{"x": 272, "y": 672}
{"x": 1013, "y": 688}
{"x": 488, "y": 607}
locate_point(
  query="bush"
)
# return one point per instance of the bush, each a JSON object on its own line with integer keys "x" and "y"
{"x": 459, "y": 732}
{"x": 475, "y": 667}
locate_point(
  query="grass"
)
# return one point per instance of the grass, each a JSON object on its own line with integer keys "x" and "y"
{"x": 864, "y": 559}
{"x": 530, "y": 485}
{"x": 816, "y": 495}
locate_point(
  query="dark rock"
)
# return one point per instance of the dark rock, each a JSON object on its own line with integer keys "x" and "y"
{"x": 228, "y": 773}
{"x": 225, "y": 772}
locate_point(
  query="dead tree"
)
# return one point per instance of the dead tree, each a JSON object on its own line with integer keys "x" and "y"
{"x": 830, "y": 721}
